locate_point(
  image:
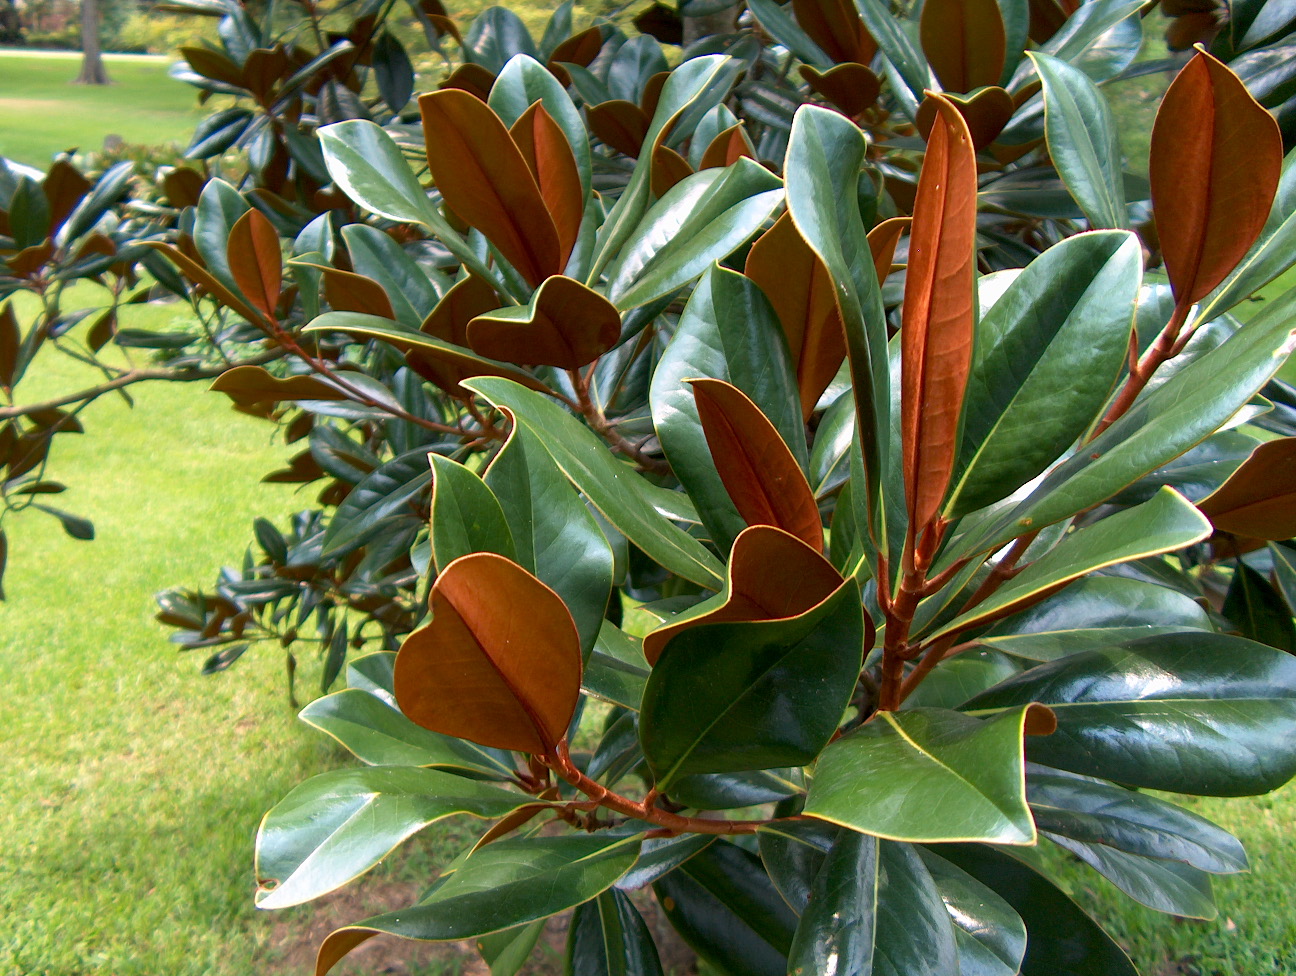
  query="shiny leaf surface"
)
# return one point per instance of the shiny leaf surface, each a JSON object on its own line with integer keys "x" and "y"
{"x": 950, "y": 777}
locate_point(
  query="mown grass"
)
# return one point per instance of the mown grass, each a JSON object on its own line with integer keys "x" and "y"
{"x": 132, "y": 785}
{"x": 42, "y": 112}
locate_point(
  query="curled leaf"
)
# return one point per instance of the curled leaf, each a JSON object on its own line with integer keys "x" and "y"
{"x": 499, "y": 664}
{"x": 772, "y": 576}
{"x": 567, "y": 325}
{"x": 553, "y": 164}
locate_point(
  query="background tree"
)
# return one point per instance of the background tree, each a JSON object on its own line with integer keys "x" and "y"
{"x": 93, "y": 71}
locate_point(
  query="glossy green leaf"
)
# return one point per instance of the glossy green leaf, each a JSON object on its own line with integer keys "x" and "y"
{"x": 959, "y": 679}
{"x": 728, "y": 791}
{"x": 376, "y": 733}
{"x": 612, "y": 486}
{"x": 1258, "y": 611}
{"x": 374, "y": 327}
{"x": 615, "y": 671}
{"x": 1061, "y": 937}
{"x": 1095, "y": 612}
{"x": 337, "y": 825}
{"x": 219, "y": 208}
{"x": 510, "y": 882}
{"x": 728, "y": 331}
{"x": 524, "y": 81}
{"x": 1164, "y": 524}
{"x": 726, "y": 909}
{"x": 825, "y": 153}
{"x": 701, "y": 220}
{"x": 730, "y": 697}
{"x": 411, "y": 288}
{"x": 898, "y": 46}
{"x": 780, "y": 25}
{"x": 793, "y": 851}
{"x": 387, "y": 490}
{"x": 554, "y": 534}
{"x": 1161, "y": 425}
{"x": 949, "y": 777}
{"x": 697, "y": 83}
{"x": 1082, "y": 141}
{"x": 374, "y": 673}
{"x": 989, "y": 935}
{"x": 1192, "y": 713}
{"x": 873, "y": 908}
{"x": 608, "y": 937}
{"x": 466, "y": 516}
{"x": 1061, "y": 329}
{"x": 507, "y": 952}
{"x": 1094, "y": 812}
{"x": 1166, "y": 886}
{"x": 369, "y": 168}
{"x": 661, "y": 855}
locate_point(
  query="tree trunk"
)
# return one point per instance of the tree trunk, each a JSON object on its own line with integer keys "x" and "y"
{"x": 92, "y": 66}
{"x": 11, "y": 29}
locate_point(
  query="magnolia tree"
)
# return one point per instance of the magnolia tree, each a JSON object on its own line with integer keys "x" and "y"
{"x": 784, "y": 482}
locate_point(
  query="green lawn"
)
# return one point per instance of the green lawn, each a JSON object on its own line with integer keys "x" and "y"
{"x": 42, "y": 112}
{"x": 132, "y": 785}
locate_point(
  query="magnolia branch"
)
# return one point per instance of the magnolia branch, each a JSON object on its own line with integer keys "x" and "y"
{"x": 129, "y": 378}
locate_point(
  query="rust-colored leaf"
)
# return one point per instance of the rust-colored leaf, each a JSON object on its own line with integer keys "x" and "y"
{"x": 1216, "y": 158}
{"x": 102, "y": 331}
{"x": 255, "y": 260}
{"x": 500, "y": 662}
{"x": 986, "y": 113}
{"x": 471, "y": 296}
{"x": 936, "y": 335}
{"x": 472, "y": 78}
{"x": 347, "y": 291}
{"x": 567, "y": 325}
{"x": 668, "y": 168}
{"x": 652, "y": 95}
{"x": 1258, "y": 500}
{"x": 29, "y": 261}
{"x": 553, "y": 164}
{"x": 964, "y": 42}
{"x": 199, "y": 275}
{"x": 213, "y": 64}
{"x": 727, "y": 148}
{"x": 1048, "y": 16}
{"x": 851, "y": 87}
{"x": 183, "y": 187}
{"x": 882, "y": 241}
{"x": 836, "y": 27}
{"x": 10, "y": 341}
{"x": 249, "y": 385}
{"x": 64, "y": 187}
{"x": 760, "y": 474}
{"x": 263, "y": 68}
{"x": 620, "y": 124}
{"x": 798, "y": 286}
{"x": 578, "y": 49}
{"x": 485, "y": 180}
{"x": 772, "y": 576}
